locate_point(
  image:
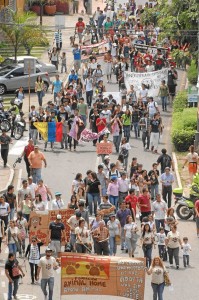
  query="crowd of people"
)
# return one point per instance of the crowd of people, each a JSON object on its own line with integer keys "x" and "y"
{"x": 121, "y": 204}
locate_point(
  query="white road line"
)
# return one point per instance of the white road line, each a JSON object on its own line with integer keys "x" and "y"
{"x": 18, "y": 147}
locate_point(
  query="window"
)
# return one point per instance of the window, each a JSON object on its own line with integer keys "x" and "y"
{"x": 18, "y": 72}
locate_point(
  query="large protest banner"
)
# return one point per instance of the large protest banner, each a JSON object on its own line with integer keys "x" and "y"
{"x": 39, "y": 223}
{"x": 151, "y": 79}
{"x": 102, "y": 275}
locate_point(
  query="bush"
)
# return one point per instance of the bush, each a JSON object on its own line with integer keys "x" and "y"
{"x": 184, "y": 125}
{"x": 192, "y": 73}
{"x": 180, "y": 101}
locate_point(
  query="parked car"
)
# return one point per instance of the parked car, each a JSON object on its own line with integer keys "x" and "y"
{"x": 12, "y": 77}
{"x": 50, "y": 68}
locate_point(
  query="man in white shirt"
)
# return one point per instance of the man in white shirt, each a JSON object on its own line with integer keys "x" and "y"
{"x": 57, "y": 203}
{"x": 88, "y": 86}
{"x": 159, "y": 209}
{"x": 123, "y": 183}
{"x": 32, "y": 186}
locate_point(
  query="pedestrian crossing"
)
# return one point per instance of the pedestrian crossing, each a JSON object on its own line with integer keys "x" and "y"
{"x": 18, "y": 147}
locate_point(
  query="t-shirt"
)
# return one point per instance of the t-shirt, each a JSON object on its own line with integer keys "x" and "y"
{"x": 146, "y": 201}
{"x": 173, "y": 238}
{"x": 10, "y": 232}
{"x": 148, "y": 238}
{"x": 165, "y": 161}
{"x": 57, "y": 86}
{"x": 5, "y": 139}
{"x": 122, "y": 214}
{"x": 56, "y": 230}
{"x": 83, "y": 232}
{"x": 161, "y": 238}
{"x": 73, "y": 222}
{"x": 36, "y": 159}
{"x": 155, "y": 125}
{"x": 47, "y": 267}
{"x": 77, "y": 54}
{"x": 80, "y": 27}
{"x": 82, "y": 108}
{"x": 10, "y": 198}
{"x": 197, "y": 205}
{"x": 130, "y": 229}
{"x": 186, "y": 248}
{"x": 133, "y": 200}
{"x": 159, "y": 208}
{"x": 10, "y": 265}
{"x": 192, "y": 157}
{"x": 101, "y": 126}
{"x": 153, "y": 179}
{"x": 93, "y": 186}
{"x": 152, "y": 107}
{"x": 4, "y": 209}
{"x": 113, "y": 227}
{"x": 157, "y": 274}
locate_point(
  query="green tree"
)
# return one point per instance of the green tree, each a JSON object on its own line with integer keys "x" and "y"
{"x": 24, "y": 30}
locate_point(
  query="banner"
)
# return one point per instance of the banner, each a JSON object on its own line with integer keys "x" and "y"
{"x": 87, "y": 135}
{"x": 102, "y": 275}
{"x": 39, "y": 224}
{"x": 95, "y": 49}
{"x": 104, "y": 148}
{"x": 151, "y": 79}
{"x": 50, "y": 131}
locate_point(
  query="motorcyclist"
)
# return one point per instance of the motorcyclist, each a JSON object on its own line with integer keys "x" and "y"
{"x": 15, "y": 111}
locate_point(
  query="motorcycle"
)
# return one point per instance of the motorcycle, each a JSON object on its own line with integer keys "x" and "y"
{"x": 18, "y": 126}
{"x": 185, "y": 205}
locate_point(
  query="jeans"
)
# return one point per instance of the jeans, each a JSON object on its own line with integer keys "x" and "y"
{"x": 161, "y": 250}
{"x": 89, "y": 97}
{"x": 147, "y": 250}
{"x": 27, "y": 165}
{"x": 113, "y": 246}
{"x": 102, "y": 248}
{"x": 173, "y": 253}
{"x": 40, "y": 97}
{"x": 92, "y": 201}
{"x": 157, "y": 290}
{"x": 136, "y": 129}
{"x": 123, "y": 244}
{"x": 146, "y": 139}
{"x": 185, "y": 260}
{"x": 164, "y": 102}
{"x": 56, "y": 246}
{"x": 63, "y": 68}
{"x": 12, "y": 291}
{"x": 12, "y": 248}
{"x": 116, "y": 142}
{"x": 64, "y": 142}
{"x": 80, "y": 248}
{"x": 104, "y": 193}
{"x": 158, "y": 224}
{"x": 11, "y": 214}
{"x": 50, "y": 282}
{"x": 33, "y": 271}
{"x": 72, "y": 240}
{"x": 131, "y": 244}
{"x": 55, "y": 96}
{"x": 36, "y": 175}
{"x": 33, "y": 135}
{"x": 114, "y": 200}
{"x": 4, "y": 156}
{"x": 125, "y": 162}
{"x": 167, "y": 194}
{"x": 154, "y": 191}
{"x": 127, "y": 129}
{"x": 5, "y": 219}
{"x": 84, "y": 119}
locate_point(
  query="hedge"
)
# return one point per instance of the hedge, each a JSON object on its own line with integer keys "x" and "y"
{"x": 184, "y": 123}
{"x": 192, "y": 73}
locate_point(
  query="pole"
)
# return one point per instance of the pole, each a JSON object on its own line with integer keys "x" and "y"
{"x": 197, "y": 133}
{"x": 29, "y": 86}
{"x": 41, "y": 13}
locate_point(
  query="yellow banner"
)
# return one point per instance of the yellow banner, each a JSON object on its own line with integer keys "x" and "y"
{"x": 42, "y": 127}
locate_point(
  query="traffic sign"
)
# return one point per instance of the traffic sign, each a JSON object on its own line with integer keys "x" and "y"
{"x": 29, "y": 66}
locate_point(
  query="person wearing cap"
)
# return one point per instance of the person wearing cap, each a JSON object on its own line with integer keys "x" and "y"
{"x": 73, "y": 222}
{"x": 56, "y": 234}
{"x": 57, "y": 203}
{"x": 84, "y": 212}
{"x": 27, "y": 150}
{"x": 167, "y": 180}
{"x": 5, "y": 140}
{"x": 47, "y": 265}
{"x": 101, "y": 235}
{"x": 35, "y": 159}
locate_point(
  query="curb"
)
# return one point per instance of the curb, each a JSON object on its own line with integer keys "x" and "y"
{"x": 176, "y": 170}
{"x": 9, "y": 180}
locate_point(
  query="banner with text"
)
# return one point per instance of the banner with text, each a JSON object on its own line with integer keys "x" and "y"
{"x": 151, "y": 79}
{"x": 94, "y": 275}
{"x": 39, "y": 223}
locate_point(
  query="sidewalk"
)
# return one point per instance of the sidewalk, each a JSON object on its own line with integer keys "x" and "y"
{"x": 6, "y": 177}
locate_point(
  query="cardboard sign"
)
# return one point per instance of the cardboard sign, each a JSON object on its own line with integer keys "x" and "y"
{"x": 104, "y": 148}
{"x": 102, "y": 275}
{"x": 39, "y": 224}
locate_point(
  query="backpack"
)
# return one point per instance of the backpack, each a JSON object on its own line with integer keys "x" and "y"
{"x": 166, "y": 161}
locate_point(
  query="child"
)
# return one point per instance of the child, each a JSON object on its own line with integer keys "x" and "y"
{"x": 185, "y": 251}
{"x": 63, "y": 62}
{"x": 151, "y": 223}
{"x": 161, "y": 236}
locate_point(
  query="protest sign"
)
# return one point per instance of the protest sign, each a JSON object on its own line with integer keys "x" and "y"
{"x": 39, "y": 224}
{"x": 95, "y": 49}
{"x": 101, "y": 275}
{"x": 104, "y": 148}
{"x": 150, "y": 79}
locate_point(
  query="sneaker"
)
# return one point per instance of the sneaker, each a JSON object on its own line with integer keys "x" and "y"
{"x": 15, "y": 297}
{"x": 170, "y": 266}
{"x": 32, "y": 282}
{"x": 44, "y": 149}
{"x": 177, "y": 267}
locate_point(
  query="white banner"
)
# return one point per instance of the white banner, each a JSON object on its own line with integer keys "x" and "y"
{"x": 151, "y": 79}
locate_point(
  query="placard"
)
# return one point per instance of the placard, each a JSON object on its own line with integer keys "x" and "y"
{"x": 102, "y": 275}
{"x": 104, "y": 148}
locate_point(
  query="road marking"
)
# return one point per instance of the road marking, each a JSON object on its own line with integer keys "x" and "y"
{"x": 19, "y": 179}
{"x": 18, "y": 147}
{"x": 22, "y": 297}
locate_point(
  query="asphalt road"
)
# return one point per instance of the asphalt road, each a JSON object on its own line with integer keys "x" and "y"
{"x": 62, "y": 168}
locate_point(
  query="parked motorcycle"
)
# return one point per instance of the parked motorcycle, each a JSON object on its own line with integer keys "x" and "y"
{"x": 185, "y": 205}
{"x": 4, "y": 123}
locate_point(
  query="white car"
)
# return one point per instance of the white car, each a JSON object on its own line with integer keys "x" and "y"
{"x": 49, "y": 68}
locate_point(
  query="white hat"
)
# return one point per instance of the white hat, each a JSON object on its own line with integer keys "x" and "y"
{"x": 58, "y": 217}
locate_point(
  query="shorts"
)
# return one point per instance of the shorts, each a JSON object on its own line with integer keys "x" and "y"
{"x": 77, "y": 64}
{"x": 197, "y": 222}
{"x": 108, "y": 68}
{"x": 193, "y": 167}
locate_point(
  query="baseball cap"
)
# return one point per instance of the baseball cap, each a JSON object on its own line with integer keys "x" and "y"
{"x": 113, "y": 177}
{"x": 107, "y": 157}
{"x": 58, "y": 194}
{"x": 48, "y": 249}
{"x": 58, "y": 217}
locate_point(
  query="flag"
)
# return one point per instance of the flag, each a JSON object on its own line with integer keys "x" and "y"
{"x": 50, "y": 131}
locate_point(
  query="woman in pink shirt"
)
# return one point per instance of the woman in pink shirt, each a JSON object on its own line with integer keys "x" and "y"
{"x": 113, "y": 191}
{"x": 44, "y": 191}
